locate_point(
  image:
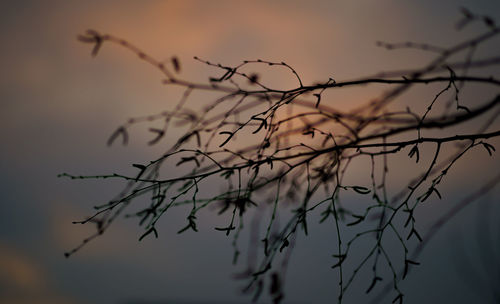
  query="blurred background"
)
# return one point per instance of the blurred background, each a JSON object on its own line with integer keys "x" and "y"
{"x": 58, "y": 107}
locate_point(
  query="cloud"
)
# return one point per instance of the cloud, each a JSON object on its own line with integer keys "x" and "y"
{"x": 23, "y": 280}
{"x": 19, "y": 271}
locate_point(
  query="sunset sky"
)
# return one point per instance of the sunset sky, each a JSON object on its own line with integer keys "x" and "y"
{"x": 58, "y": 106}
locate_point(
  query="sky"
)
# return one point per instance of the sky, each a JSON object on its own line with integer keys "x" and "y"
{"x": 58, "y": 106}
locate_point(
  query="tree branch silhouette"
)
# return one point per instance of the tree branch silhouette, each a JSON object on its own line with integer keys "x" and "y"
{"x": 290, "y": 150}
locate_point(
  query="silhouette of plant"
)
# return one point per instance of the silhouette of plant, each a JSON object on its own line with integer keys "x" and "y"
{"x": 290, "y": 151}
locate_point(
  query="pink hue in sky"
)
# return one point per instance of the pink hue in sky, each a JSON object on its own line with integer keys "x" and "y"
{"x": 59, "y": 105}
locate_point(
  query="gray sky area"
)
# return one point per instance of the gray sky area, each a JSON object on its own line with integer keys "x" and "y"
{"x": 58, "y": 106}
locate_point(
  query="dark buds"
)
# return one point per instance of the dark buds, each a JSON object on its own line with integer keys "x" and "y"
{"x": 359, "y": 219}
{"x": 176, "y": 64}
{"x": 121, "y": 131}
{"x": 159, "y": 134}
{"x": 361, "y": 190}
{"x": 253, "y": 78}
{"x": 414, "y": 152}
{"x": 374, "y": 281}
{"x": 341, "y": 258}
{"x": 489, "y": 148}
{"x": 227, "y": 139}
{"x": 263, "y": 124}
{"x": 150, "y": 230}
{"x": 92, "y": 36}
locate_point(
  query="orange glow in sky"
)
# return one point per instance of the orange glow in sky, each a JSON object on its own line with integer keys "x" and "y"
{"x": 58, "y": 106}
